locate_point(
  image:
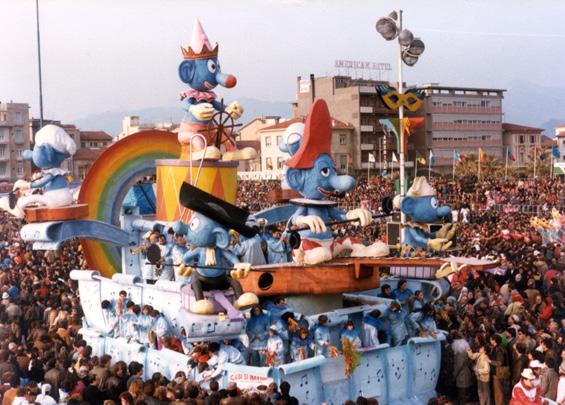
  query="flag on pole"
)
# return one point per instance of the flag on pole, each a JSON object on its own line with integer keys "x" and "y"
{"x": 509, "y": 155}
{"x": 371, "y": 158}
{"x": 555, "y": 152}
{"x": 394, "y": 158}
{"x": 420, "y": 158}
{"x": 456, "y": 157}
{"x": 431, "y": 158}
{"x": 481, "y": 154}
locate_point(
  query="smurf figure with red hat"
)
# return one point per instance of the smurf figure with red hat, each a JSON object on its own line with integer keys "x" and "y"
{"x": 52, "y": 147}
{"x": 311, "y": 172}
{"x": 200, "y": 69}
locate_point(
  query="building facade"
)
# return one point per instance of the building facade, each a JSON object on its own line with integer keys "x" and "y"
{"x": 462, "y": 119}
{"x": 272, "y": 159}
{"x": 132, "y": 124}
{"x": 249, "y": 136}
{"x": 14, "y": 139}
{"x": 91, "y": 145}
{"x": 522, "y": 142}
{"x": 356, "y": 102}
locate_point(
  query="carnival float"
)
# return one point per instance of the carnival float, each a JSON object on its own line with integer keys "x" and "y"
{"x": 205, "y": 293}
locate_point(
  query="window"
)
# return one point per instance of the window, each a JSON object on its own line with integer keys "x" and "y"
{"x": 521, "y": 139}
{"x": 269, "y": 163}
{"x": 20, "y": 171}
{"x": 3, "y": 169}
{"x": 3, "y": 151}
{"x": 279, "y": 140}
{"x": 343, "y": 162}
{"x": 3, "y": 134}
{"x": 18, "y": 135}
{"x": 280, "y": 162}
{"x": 19, "y": 153}
{"x": 342, "y": 139}
{"x": 18, "y": 117}
{"x": 532, "y": 139}
{"x": 83, "y": 145}
{"x": 268, "y": 142}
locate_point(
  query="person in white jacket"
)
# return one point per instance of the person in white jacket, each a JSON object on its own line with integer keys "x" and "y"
{"x": 561, "y": 385}
{"x": 44, "y": 398}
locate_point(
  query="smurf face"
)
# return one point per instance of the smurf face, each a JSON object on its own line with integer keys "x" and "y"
{"x": 321, "y": 181}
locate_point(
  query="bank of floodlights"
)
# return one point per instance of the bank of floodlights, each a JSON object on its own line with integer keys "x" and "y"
{"x": 411, "y": 48}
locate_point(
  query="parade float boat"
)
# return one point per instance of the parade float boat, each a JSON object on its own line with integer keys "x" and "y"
{"x": 114, "y": 243}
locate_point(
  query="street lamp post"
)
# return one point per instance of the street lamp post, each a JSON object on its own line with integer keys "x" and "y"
{"x": 39, "y": 64}
{"x": 410, "y": 49}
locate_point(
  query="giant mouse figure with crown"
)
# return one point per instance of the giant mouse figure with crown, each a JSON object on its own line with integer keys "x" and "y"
{"x": 200, "y": 69}
{"x": 311, "y": 172}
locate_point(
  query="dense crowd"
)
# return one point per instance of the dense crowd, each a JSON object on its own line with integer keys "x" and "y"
{"x": 505, "y": 329}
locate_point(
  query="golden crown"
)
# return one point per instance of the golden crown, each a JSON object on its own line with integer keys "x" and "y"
{"x": 205, "y": 53}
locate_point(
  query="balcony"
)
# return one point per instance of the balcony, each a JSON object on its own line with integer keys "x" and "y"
{"x": 366, "y": 128}
{"x": 446, "y": 126}
{"x": 367, "y": 146}
{"x": 475, "y": 110}
{"x": 367, "y": 89}
{"x": 366, "y": 110}
{"x": 466, "y": 144}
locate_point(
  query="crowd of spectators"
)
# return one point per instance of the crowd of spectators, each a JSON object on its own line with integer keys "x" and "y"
{"x": 505, "y": 329}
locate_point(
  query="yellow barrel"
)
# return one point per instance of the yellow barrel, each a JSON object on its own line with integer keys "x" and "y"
{"x": 217, "y": 178}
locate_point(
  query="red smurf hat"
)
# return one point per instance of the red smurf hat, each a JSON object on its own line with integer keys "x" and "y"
{"x": 317, "y": 137}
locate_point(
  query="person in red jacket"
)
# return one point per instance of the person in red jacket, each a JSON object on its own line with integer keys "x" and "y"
{"x": 546, "y": 313}
{"x": 524, "y": 393}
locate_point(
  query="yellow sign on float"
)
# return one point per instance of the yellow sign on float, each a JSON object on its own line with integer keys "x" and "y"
{"x": 216, "y": 178}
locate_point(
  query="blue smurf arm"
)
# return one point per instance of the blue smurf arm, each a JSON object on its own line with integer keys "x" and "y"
{"x": 186, "y": 103}
{"x": 299, "y": 212}
{"x": 46, "y": 179}
{"x": 417, "y": 236}
{"x": 218, "y": 106}
{"x": 189, "y": 257}
{"x": 337, "y": 214}
{"x": 230, "y": 257}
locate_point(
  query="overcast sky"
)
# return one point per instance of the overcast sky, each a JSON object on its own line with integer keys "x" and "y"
{"x": 104, "y": 55}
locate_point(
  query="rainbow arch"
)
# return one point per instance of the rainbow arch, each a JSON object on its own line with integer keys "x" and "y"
{"x": 111, "y": 176}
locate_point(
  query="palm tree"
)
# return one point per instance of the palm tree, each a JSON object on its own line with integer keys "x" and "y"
{"x": 543, "y": 166}
{"x": 491, "y": 166}
{"x": 468, "y": 165}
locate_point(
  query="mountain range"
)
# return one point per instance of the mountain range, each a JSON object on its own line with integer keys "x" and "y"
{"x": 525, "y": 103}
{"x": 111, "y": 121}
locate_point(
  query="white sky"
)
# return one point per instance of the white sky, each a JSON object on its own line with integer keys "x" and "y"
{"x": 104, "y": 55}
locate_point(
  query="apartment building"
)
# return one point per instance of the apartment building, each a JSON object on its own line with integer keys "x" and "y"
{"x": 14, "y": 139}
{"x": 356, "y": 102}
{"x": 463, "y": 119}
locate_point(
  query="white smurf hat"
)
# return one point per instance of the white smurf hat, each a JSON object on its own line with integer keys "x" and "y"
{"x": 293, "y": 133}
{"x": 421, "y": 188}
{"x": 57, "y": 138}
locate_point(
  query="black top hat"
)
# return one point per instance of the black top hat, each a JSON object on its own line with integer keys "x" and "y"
{"x": 227, "y": 214}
